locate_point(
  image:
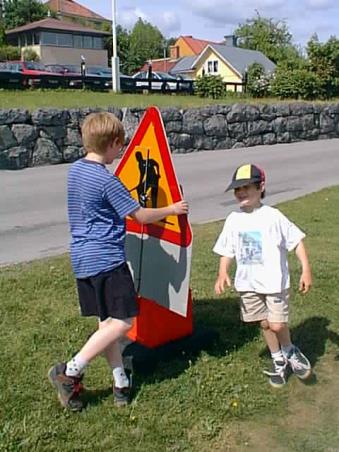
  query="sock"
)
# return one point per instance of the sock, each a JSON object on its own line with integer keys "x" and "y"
{"x": 76, "y": 366}
{"x": 277, "y": 356}
{"x": 286, "y": 349}
{"x": 120, "y": 378}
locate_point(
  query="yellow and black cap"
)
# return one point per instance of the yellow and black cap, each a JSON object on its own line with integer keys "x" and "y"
{"x": 246, "y": 175}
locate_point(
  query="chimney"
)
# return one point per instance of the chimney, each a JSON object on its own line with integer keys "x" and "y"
{"x": 174, "y": 52}
{"x": 230, "y": 40}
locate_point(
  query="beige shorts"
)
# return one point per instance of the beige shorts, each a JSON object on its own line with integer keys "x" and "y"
{"x": 272, "y": 307}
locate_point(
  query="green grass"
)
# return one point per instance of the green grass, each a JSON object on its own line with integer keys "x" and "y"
{"x": 208, "y": 400}
{"x": 32, "y": 100}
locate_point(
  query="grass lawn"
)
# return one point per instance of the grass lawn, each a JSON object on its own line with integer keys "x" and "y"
{"x": 72, "y": 99}
{"x": 217, "y": 399}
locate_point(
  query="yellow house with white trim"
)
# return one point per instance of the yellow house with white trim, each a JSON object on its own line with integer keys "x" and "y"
{"x": 231, "y": 63}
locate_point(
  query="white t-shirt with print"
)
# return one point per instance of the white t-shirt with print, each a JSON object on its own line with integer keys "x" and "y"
{"x": 259, "y": 241}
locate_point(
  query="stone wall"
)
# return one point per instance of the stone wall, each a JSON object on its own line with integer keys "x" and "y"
{"x": 51, "y": 136}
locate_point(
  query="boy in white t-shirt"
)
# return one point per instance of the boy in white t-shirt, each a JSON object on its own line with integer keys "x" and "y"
{"x": 259, "y": 238}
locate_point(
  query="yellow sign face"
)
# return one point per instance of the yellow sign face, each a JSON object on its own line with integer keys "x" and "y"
{"x": 146, "y": 169}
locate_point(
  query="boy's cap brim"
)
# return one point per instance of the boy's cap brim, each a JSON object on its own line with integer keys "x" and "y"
{"x": 242, "y": 183}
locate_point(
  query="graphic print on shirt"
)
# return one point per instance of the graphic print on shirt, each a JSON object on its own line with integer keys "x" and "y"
{"x": 250, "y": 245}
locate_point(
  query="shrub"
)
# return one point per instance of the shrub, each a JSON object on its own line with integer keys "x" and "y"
{"x": 9, "y": 53}
{"x": 209, "y": 86}
{"x": 258, "y": 82}
{"x": 30, "y": 55}
{"x": 296, "y": 84}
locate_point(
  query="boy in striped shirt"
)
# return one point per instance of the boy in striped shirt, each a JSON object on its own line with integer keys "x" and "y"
{"x": 98, "y": 204}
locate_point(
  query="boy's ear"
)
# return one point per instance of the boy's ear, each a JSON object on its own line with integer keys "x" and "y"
{"x": 262, "y": 187}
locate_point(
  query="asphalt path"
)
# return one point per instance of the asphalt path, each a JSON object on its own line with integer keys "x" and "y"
{"x": 33, "y": 201}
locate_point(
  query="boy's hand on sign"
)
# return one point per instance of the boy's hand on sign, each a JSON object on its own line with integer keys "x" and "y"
{"x": 180, "y": 207}
{"x": 221, "y": 283}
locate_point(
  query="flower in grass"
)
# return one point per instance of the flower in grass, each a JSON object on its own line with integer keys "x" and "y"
{"x": 234, "y": 403}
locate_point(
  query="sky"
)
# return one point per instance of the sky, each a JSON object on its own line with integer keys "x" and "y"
{"x": 213, "y": 19}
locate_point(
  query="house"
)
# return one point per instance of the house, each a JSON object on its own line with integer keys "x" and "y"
{"x": 227, "y": 60}
{"x": 188, "y": 46}
{"x": 59, "y": 42}
{"x": 183, "y": 46}
{"x": 71, "y": 11}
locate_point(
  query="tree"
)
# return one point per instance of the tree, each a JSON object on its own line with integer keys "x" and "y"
{"x": 21, "y": 12}
{"x": 270, "y": 37}
{"x": 323, "y": 59}
{"x": 123, "y": 47}
{"x": 146, "y": 42}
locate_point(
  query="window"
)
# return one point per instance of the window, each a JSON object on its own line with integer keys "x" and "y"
{"x": 98, "y": 43}
{"x": 29, "y": 39}
{"x": 49, "y": 38}
{"x": 88, "y": 42}
{"x": 212, "y": 67}
{"x": 36, "y": 38}
{"x": 78, "y": 42}
{"x": 64, "y": 40}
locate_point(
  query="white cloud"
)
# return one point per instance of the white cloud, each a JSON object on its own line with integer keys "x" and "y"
{"x": 127, "y": 17}
{"x": 168, "y": 22}
{"x": 233, "y": 11}
{"x": 321, "y": 4}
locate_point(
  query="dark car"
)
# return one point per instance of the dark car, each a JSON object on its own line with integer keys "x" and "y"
{"x": 36, "y": 75}
{"x": 10, "y": 77}
{"x": 127, "y": 83}
{"x": 71, "y": 73}
{"x": 161, "y": 81}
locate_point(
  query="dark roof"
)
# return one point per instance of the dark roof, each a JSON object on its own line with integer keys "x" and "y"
{"x": 55, "y": 24}
{"x": 185, "y": 64}
{"x": 240, "y": 59}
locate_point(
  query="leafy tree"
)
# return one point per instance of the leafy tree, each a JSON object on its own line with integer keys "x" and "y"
{"x": 146, "y": 42}
{"x": 323, "y": 61}
{"x": 270, "y": 37}
{"x": 21, "y": 12}
{"x": 123, "y": 47}
{"x": 296, "y": 84}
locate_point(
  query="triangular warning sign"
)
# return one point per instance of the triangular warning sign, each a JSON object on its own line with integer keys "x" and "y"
{"x": 146, "y": 169}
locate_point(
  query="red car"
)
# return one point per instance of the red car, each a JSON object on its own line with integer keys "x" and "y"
{"x": 36, "y": 75}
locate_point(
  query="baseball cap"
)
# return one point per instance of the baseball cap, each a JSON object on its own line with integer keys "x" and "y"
{"x": 245, "y": 175}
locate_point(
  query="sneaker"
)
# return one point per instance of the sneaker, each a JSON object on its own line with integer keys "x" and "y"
{"x": 278, "y": 374}
{"x": 121, "y": 396}
{"x": 68, "y": 388}
{"x": 299, "y": 364}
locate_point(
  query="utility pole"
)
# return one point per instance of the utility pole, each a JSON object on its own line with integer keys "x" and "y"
{"x": 115, "y": 58}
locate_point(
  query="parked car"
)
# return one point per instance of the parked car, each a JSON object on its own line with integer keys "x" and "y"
{"x": 10, "y": 77}
{"x": 160, "y": 81}
{"x": 127, "y": 83}
{"x": 71, "y": 73}
{"x": 36, "y": 75}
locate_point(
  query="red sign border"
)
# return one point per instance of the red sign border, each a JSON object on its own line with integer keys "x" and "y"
{"x": 184, "y": 238}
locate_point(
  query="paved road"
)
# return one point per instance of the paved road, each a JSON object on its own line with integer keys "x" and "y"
{"x": 33, "y": 208}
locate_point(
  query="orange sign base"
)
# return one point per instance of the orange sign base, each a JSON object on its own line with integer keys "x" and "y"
{"x": 156, "y": 325}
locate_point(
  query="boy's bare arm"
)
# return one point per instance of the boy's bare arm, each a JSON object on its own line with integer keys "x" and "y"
{"x": 145, "y": 215}
{"x": 223, "y": 278}
{"x": 305, "y": 282}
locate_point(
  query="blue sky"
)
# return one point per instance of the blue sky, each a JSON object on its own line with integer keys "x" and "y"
{"x": 212, "y": 19}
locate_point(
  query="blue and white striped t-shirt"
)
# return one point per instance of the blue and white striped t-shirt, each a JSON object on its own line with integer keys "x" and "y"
{"x": 97, "y": 206}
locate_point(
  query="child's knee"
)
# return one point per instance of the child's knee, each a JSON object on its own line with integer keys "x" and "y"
{"x": 264, "y": 324}
{"x": 277, "y": 327}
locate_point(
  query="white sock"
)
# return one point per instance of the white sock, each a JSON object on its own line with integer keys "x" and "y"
{"x": 287, "y": 350}
{"x": 76, "y": 366}
{"x": 277, "y": 356}
{"x": 120, "y": 378}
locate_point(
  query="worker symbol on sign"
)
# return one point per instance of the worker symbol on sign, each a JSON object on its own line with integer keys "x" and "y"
{"x": 149, "y": 176}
